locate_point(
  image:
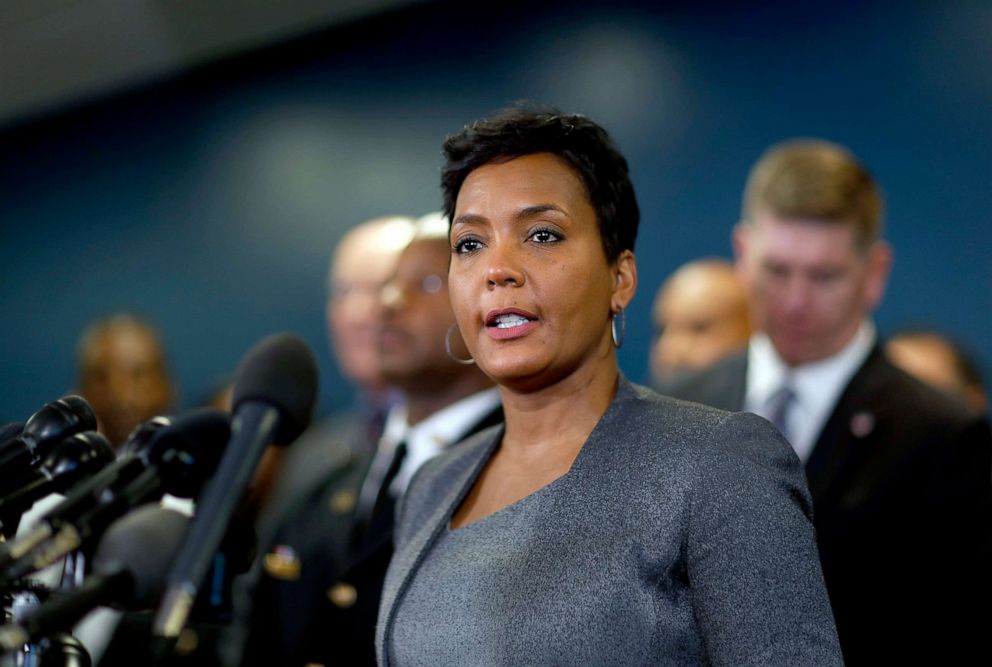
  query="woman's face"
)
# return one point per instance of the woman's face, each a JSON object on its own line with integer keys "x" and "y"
{"x": 530, "y": 284}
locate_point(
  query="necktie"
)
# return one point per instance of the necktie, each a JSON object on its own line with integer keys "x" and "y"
{"x": 375, "y": 504}
{"x": 778, "y": 407}
{"x": 399, "y": 454}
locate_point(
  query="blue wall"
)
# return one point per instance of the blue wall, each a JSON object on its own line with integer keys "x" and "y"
{"x": 210, "y": 202}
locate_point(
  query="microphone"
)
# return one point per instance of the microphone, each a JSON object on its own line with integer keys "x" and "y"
{"x": 177, "y": 460}
{"x": 11, "y": 430}
{"x": 137, "y": 441}
{"x": 132, "y": 459}
{"x": 129, "y": 570}
{"x": 46, "y": 428}
{"x": 70, "y": 461}
{"x": 275, "y": 389}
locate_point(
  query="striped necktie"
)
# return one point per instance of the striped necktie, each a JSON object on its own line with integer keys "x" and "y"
{"x": 777, "y": 408}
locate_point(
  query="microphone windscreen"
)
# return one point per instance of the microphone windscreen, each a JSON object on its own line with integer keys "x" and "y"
{"x": 140, "y": 437}
{"x": 76, "y": 406}
{"x": 143, "y": 543}
{"x": 81, "y": 454}
{"x": 59, "y": 419}
{"x": 281, "y": 371}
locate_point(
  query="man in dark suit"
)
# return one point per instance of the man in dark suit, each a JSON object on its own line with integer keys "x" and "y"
{"x": 900, "y": 475}
{"x": 319, "y": 594}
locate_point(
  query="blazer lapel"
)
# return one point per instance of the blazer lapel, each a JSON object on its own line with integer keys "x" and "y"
{"x": 408, "y": 559}
{"x": 849, "y": 429}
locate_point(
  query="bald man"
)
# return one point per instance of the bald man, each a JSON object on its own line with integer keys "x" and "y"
{"x": 360, "y": 266}
{"x": 318, "y": 598}
{"x": 701, "y": 316}
{"x": 936, "y": 360}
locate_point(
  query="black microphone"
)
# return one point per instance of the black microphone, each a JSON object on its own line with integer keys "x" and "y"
{"x": 137, "y": 441}
{"x": 68, "y": 462}
{"x": 11, "y": 430}
{"x": 46, "y": 428}
{"x": 132, "y": 460}
{"x": 275, "y": 389}
{"x": 129, "y": 569}
{"x": 178, "y": 460}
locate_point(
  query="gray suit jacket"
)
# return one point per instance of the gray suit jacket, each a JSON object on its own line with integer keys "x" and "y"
{"x": 681, "y": 535}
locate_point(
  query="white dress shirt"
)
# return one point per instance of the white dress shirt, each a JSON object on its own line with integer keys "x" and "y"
{"x": 816, "y": 385}
{"x": 429, "y": 437}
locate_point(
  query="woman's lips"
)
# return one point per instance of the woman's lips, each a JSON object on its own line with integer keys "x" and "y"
{"x": 508, "y": 323}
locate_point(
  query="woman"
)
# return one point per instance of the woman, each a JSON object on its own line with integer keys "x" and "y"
{"x": 604, "y": 523}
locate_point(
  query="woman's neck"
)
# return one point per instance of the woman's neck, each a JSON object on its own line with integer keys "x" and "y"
{"x": 560, "y": 416}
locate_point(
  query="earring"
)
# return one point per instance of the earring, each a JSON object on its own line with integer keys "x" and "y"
{"x": 447, "y": 347}
{"x": 618, "y": 338}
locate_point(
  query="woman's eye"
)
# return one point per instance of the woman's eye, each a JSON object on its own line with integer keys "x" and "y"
{"x": 465, "y": 246}
{"x": 545, "y": 236}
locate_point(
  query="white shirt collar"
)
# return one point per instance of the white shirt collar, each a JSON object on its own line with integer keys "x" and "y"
{"x": 817, "y": 385}
{"x": 432, "y": 435}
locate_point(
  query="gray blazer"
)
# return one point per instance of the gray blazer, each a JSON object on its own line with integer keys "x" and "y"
{"x": 681, "y": 535}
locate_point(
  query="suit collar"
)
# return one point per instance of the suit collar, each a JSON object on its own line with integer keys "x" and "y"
{"x": 817, "y": 386}
{"x": 468, "y": 465}
{"x": 850, "y": 427}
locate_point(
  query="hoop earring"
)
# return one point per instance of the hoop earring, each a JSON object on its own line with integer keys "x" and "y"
{"x": 447, "y": 348}
{"x": 618, "y": 339}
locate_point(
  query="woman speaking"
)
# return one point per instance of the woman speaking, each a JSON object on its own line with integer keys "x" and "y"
{"x": 604, "y": 524}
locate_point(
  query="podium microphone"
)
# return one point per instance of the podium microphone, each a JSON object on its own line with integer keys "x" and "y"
{"x": 70, "y": 461}
{"x": 275, "y": 389}
{"x": 178, "y": 459}
{"x": 46, "y": 428}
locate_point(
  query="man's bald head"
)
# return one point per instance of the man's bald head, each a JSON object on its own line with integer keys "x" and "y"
{"x": 363, "y": 261}
{"x": 701, "y": 316}
{"x": 941, "y": 363}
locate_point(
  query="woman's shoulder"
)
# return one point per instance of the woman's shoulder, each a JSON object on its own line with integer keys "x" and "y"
{"x": 652, "y": 410}
{"x": 697, "y": 430}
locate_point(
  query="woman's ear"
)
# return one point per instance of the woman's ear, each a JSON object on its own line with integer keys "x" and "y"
{"x": 624, "y": 280}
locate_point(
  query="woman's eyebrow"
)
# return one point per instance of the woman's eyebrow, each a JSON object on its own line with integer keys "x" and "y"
{"x": 526, "y": 212}
{"x": 537, "y": 209}
{"x": 468, "y": 218}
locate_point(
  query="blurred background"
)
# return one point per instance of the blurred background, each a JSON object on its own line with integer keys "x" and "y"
{"x": 195, "y": 162}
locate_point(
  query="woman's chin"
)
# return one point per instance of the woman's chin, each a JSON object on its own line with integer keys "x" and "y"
{"x": 512, "y": 372}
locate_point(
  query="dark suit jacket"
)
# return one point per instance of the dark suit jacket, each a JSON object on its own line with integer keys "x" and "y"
{"x": 318, "y": 595}
{"x": 900, "y": 477}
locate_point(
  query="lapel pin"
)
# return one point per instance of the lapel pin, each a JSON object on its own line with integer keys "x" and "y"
{"x": 343, "y": 501}
{"x": 862, "y": 424}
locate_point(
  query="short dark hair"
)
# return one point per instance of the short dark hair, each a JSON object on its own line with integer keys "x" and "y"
{"x": 581, "y": 143}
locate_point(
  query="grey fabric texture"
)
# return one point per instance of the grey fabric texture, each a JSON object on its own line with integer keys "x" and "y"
{"x": 681, "y": 535}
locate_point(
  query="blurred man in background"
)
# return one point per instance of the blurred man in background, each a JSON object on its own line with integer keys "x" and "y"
{"x": 122, "y": 372}
{"x": 318, "y": 598}
{"x": 360, "y": 264}
{"x": 899, "y": 473}
{"x": 935, "y": 359}
{"x": 701, "y": 316}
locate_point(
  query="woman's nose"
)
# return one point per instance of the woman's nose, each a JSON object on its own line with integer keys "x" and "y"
{"x": 504, "y": 268}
